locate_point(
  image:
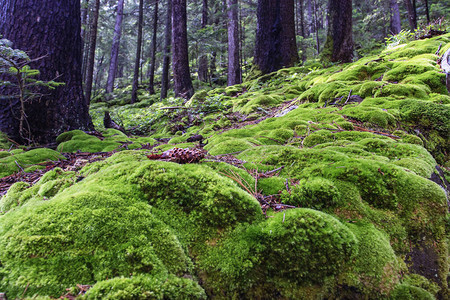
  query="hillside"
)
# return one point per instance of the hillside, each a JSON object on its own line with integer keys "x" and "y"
{"x": 308, "y": 183}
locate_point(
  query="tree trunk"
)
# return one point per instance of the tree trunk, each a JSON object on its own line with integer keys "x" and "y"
{"x": 302, "y": 28}
{"x": 275, "y": 45}
{"x": 180, "y": 59}
{"x": 412, "y": 16}
{"x": 203, "y": 60}
{"x": 427, "y": 11}
{"x": 234, "y": 67}
{"x": 92, "y": 46}
{"x": 309, "y": 18}
{"x": 151, "y": 73}
{"x": 167, "y": 46}
{"x": 316, "y": 26}
{"x": 396, "y": 25}
{"x": 138, "y": 53}
{"x": 31, "y": 26}
{"x": 339, "y": 44}
{"x": 115, "y": 48}
{"x": 85, "y": 25}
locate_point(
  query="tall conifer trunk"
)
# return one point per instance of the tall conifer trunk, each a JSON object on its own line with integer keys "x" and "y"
{"x": 234, "y": 67}
{"x": 339, "y": 44}
{"x": 167, "y": 50}
{"x": 115, "y": 48}
{"x": 180, "y": 59}
{"x": 396, "y": 25}
{"x": 92, "y": 46}
{"x": 275, "y": 45}
{"x": 151, "y": 72}
{"x": 138, "y": 53}
{"x": 31, "y": 26}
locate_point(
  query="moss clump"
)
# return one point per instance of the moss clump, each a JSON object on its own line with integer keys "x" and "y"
{"x": 310, "y": 245}
{"x": 146, "y": 287}
{"x": 375, "y": 271}
{"x": 4, "y": 142}
{"x": 407, "y": 90}
{"x": 11, "y": 163}
{"x": 409, "y": 292}
{"x": 317, "y": 193}
{"x": 231, "y": 146}
{"x": 80, "y": 141}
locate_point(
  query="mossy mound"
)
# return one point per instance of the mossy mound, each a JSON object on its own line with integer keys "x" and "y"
{"x": 26, "y": 159}
{"x": 127, "y": 216}
{"x": 146, "y": 287}
{"x": 310, "y": 245}
{"x": 77, "y": 140}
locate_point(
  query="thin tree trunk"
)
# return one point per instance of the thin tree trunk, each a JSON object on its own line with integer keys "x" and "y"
{"x": 92, "y": 46}
{"x": 309, "y": 18}
{"x": 396, "y": 25}
{"x": 115, "y": 48}
{"x": 203, "y": 60}
{"x": 138, "y": 53}
{"x": 316, "y": 26}
{"x": 234, "y": 67}
{"x": 167, "y": 46}
{"x": 180, "y": 58}
{"x": 85, "y": 25}
{"x": 151, "y": 72}
{"x": 302, "y": 29}
{"x": 412, "y": 16}
{"x": 427, "y": 11}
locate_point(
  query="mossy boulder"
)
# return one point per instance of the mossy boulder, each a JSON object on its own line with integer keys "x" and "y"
{"x": 4, "y": 142}
{"x": 310, "y": 245}
{"x": 10, "y": 164}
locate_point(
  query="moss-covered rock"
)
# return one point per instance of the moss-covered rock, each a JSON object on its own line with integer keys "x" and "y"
{"x": 10, "y": 164}
{"x": 146, "y": 287}
{"x": 310, "y": 245}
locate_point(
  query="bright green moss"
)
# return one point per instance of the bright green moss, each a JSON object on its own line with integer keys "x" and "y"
{"x": 407, "y": 90}
{"x": 319, "y": 137}
{"x": 9, "y": 164}
{"x": 403, "y": 69}
{"x": 146, "y": 287}
{"x": 271, "y": 185}
{"x": 434, "y": 79}
{"x": 231, "y": 146}
{"x": 67, "y": 136}
{"x": 4, "y": 154}
{"x": 12, "y": 198}
{"x": 258, "y": 102}
{"x": 375, "y": 271}
{"x": 310, "y": 245}
{"x": 317, "y": 193}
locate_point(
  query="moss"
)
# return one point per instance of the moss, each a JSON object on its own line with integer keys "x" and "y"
{"x": 271, "y": 185}
{"x": 410, "y": 292}
{"x": 407, "y": 90}
{"x": 4, "y": 142}
{"x": 146, "y": 287}
{"x": 319, "y": 137}
{"x": 231, "y": 146}
{"x": 9, "y": 164}
{"x": 257, "y": 102}
{"x": 11, "y": 199}
{"x": 4, "y": 154}
{"x": 233, "y": 90}
{"x": 73, "y": 141}
{"x": 309, "y": 244}
{"x": 403, "y": 69}
{"x": 317, "y": 193}
{"x": 375, "y": 271}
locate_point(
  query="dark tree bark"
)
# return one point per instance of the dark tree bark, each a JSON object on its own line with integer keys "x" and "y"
{"x": 203, "y": 60}
{"x": 302, "y": 27}
{"x": 151, "y": 72}
{"x": 339, "y": 44}
{"x": 31, "y": 26}
{"x": 138, "y": 53}
{"x": 316, "y": 26}
{"x": 115, "y": 48}
{"x": 412, "y": 15}
{"x": 309, "y": 18}
{"x": 180, "y": 59}
{"x": 234, "y": 66}
{"x": 396, "y": 25}
{"x": 167, "y": 46}
{"x": 92, "y": 46}
{"x": 85, "y": 20}
{"x": 427, "y": 11}
{"x": 275, "y": 45}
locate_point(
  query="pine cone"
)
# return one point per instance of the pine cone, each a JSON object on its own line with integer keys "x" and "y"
{"x": 181, "y": 156}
